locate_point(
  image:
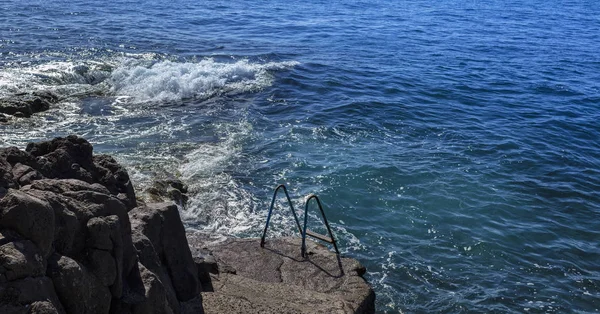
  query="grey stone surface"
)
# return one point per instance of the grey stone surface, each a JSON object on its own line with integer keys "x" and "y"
{"x": 276, "y": 279}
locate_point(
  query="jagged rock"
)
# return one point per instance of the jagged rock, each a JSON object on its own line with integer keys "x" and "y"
{"x": 24, "y": 105}
{"x": 30, "y": 216}
{"x": 20, "y": 259}
{"x": 162, "y": 225}
{"x": 6, "y": 177}
{"x": 23, "y": 295}
{"x": 67, "y": 185}
{"x": 276, "y": 279}
{"x": 78, "y": 289}
{"x": 75, "y": 202}
{"x": 25, "y": 174}
{"x": 46, "y": 95}
{"x": 115, "y": 178}
{"x": 72, "y": 158}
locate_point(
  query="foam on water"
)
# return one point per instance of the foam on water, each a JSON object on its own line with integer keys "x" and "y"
{"x": 168, "y": 81}
{"x": 65, "y": 78}
{"x": 141, "y": 77}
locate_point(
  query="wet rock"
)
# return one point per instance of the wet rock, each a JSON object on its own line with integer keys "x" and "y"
{"x": 29, "y": 216}
{"x": 23, "y": 105}
{"x": 171, "y": 189}
{"x": 46, "y": 95}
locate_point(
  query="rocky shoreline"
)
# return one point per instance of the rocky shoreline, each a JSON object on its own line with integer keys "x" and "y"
{"x": 75, "y": 239}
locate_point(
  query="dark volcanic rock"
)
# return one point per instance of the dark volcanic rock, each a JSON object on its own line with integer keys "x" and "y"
{"x": 30, "y": 216}
{"x": 20, "y": 259}
{"x": 161, "y": 224}
{"x": 64, "y": 215}
{"x": 78, "y": 290}
{"x": 73, "y": 240}
{"x": 24, "y": 296}
{"x": 156, "y": 295}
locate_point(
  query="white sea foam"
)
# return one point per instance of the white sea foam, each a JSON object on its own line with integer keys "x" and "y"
{"x": 140, "y": 78}
{"x": 65, "y": 78}
{"x": 217, "y": 201}
{"x": 168, "y": 81}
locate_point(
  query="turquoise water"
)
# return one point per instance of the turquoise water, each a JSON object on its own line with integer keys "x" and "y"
{"x": 454, "y": 144}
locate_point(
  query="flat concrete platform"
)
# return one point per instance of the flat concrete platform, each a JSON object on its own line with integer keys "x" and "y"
{"x": 276, "y": 279}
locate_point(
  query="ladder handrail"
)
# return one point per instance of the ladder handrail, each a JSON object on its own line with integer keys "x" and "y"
{"x": 262, "y": 239}
{"x": 310, "y": 197}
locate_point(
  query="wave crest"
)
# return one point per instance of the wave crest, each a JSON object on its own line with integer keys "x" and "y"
{"x": 171, "y": 81}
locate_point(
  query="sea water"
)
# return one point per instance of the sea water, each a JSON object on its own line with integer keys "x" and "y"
{"x": 455, "y": 145}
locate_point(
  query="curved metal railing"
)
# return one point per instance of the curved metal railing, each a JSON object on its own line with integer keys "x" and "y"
{"x": 306, "y": 232}
{"x": 281, "y": 186}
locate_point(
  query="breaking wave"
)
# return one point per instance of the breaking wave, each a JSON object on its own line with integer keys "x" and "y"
{"x": 140, "y": 79}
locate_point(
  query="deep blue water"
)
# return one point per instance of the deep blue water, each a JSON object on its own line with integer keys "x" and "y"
{"x": 454, "y": 144}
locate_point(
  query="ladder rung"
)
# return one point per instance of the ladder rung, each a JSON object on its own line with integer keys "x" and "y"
{"x": 319, "y": 236}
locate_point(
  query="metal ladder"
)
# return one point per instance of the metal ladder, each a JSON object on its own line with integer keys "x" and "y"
{"x": 303, "y": 231}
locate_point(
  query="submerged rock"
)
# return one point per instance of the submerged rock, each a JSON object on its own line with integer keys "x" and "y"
{"x": 24, "y": 105}
{"x": 171, "y": 189}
